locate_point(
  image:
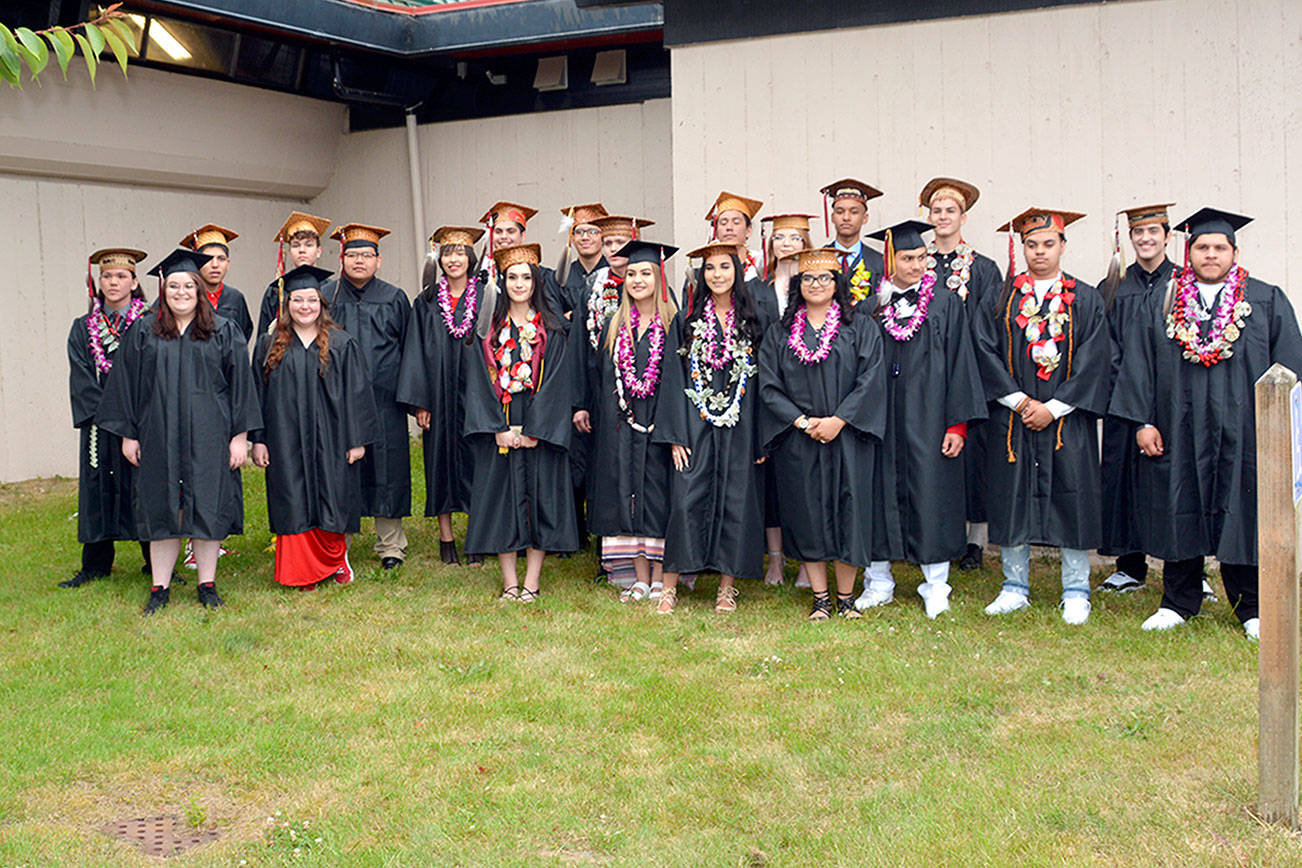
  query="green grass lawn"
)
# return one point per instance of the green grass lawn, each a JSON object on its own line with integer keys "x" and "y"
{"x": 409, "y": 719}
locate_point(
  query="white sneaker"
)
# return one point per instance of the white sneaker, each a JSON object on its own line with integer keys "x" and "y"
{"x": 872, "y": 597}
{"x": 1163, "y": 619}
{"x": 1121, "y": 583}
{"x": 1008, "y": 601}
{"x": 935, "y": 599}
{"x": 1252, "y": 629}
{"x": 1075, "y": 610}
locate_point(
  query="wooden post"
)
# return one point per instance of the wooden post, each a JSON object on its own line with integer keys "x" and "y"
{"x": 1277, "y": 545}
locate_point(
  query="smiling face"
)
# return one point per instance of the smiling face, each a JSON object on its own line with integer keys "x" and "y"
{"x": 947, "y": 218}
{"x": 731, "y": 227}
{"x": 587, "y": 240}
{"x": 1043, "y": 251}
{"x": 719, "y": 273}
{"x": 817, "y": 287}
{"x": 214, "y": 271}
{"x": 641, "y": 281}
{"x": 1149, "y": 242}
{"x": 305, "y": 306}
{"x": 182, "y": 293}
{"x": 519, "y": 283}
{"x": 909, "y": 267}
{"x": 1211, "y": 256}
{"x": 454, "y": 261}
{"x": 507, "y": 233}
{"x": 117, "y": 284}
{"x": 787, "y": 241}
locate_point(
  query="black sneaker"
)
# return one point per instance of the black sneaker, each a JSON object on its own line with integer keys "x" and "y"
{"x": 158, "y": 599}
{"x": 80, "y": 579}
{"x": 390, "y": 563}
{"x": 972, "y": 559}
{"x": 448, "y": 552}
{"x": 208, "y": 595}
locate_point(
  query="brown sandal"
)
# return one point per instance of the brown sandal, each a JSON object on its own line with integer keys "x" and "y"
{"x": 668, "y": 599}
{"x": 726, "y": 601}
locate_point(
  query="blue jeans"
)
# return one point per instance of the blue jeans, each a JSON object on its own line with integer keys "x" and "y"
{"x": 1017, "y": 571}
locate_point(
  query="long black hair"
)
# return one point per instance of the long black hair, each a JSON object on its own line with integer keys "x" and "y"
{"x": 747, "y": 314}
{"x": 551, "y": 320}
{"x": 841, "y": 296}
{"x": 434, "y": 269}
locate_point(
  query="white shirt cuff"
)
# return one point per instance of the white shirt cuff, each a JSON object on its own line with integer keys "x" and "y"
{"x": 1011, "y": 401}
{"x": 1058, "y": 408}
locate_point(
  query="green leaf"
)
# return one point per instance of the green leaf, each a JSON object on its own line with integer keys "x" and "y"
{"x": 119, "y": 50}
{"x": 91, "y": 61}
{"x": 124, "y": 30}
{"x": 10, "y": 64}
{"x": 40, "y": 54}
{"x": 61, "y": 42}
{"x": 96, "y": 37}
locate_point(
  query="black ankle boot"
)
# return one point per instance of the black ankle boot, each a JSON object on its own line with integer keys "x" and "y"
{"x": 158, "y": 598}
{"x": 448, "y": 552}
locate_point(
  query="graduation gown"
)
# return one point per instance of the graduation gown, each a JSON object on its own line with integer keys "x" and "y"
{"x": 576, "y": 286}
{"x": 932, "y": 383}
{"x": 716, "y": 514}
{"x": 231, "y": 304}
{"x": 184, "y": 400}
{"x": 310, "y": 420}
{"x": 984, "y": 280}
{"x": 1047, "y": 495}
{"x": 828, "y": 489}
{"x": 1199, "y": 497}
{"x": 523, "y": 499}
{"x": 432, "y": 377}
{"x": 378, "y": 316}
{"x": 629, "y": 490}
{"x": 1121, "y": 458}
{"x": 106, "y": 480}
{"x": 270, "y": 308}
{"x": 586, "y": 368}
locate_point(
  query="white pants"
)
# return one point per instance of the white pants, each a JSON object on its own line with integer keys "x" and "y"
{"x": 935, "y": 578}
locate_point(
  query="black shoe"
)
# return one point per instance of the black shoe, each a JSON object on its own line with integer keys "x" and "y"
{"x": 390, "y": 563}
{"x": 208, "y": 595}
{"x": 601, "y": 576}
{"x": 158, "y": 598}
{"x": 448, "y": 552}
{"x": 80, "y": 579}
{"x": 972, "y": 559}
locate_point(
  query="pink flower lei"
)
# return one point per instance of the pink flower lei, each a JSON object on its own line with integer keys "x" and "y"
{"x": 104, "y": 339}
{"x": 447, "y": 308}
{"x": 626, "y": 379}
{"x": 715, "y": 357}
{"x": 831, "y": 328}
{"x": 1227, "y": 322}
{"x": 890, "y": 317}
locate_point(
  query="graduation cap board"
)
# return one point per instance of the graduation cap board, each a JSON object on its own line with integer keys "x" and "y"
{"x": 112, "y": 257}
{"x": 962, "y": 192}
{"x": 520, "y": 254}
{"x": 576, "y": 214}
{"x": 1034, "y": 220}
{"x": 906, "y": 235}
{"x": 846, "y": 188}
{"x": 621, "y": 225}
{"x": 814, "y": 259}
{"x": 520, "y": 214}
{"x": 352, "y": 235}
{"x": 181, "y": 260}
{"x": 649, "y": 251}
{"x": 1208, "y": 221}
{"x": 466, "y": 236}
{"x": 780, "y": 223}
{"x": 299, "y": 222}
{"x": 209, "y": 234}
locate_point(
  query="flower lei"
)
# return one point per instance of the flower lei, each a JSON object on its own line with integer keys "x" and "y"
{"x": 1042, "y": 321}
{"x": 720, "y": 409}
{"x": 960, "y": 267}
{"x": 1227, "y": 322}
{"x": 890, "y": 315}
{"x": 447, "y": 308}
{"x": 602, "y": 301}
{"x": 626, "y": 379}
{"x": 827, "y": 334}
{"x": 515, "y": 375}
{"x": 715, "y": 357}
{"x": 104, "y": 339}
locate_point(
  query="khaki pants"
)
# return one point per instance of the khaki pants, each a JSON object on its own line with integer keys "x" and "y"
{"x": 390, "y": 539}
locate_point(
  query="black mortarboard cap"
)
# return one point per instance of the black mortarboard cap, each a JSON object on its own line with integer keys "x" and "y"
{"x": 1211, "y": 220}
{"x": 180, "y": 260}
{"x": 305, "y": 277}
{"x": 646, "y": 251}
{"x": 906, "y": 235}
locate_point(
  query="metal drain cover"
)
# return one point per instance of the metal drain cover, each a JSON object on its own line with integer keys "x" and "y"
{"x": 160, "y": 836}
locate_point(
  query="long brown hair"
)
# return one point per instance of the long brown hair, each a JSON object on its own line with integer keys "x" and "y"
{"x": 665, "y": 308}
{"x": 285, "y": 333}
{"x": 201, "y": 327}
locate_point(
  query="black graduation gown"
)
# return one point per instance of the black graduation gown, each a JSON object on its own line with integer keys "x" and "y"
{"x": 586, "y": 371}
{"x": 270, "y": 307}
{"x": 184, "y": 400}
{"x": 629, "y": 490}
{"x": 716, "y": 517}
{"x": 309, "y": 422}
{"x": 766, "y": 299}
{"x": 829, "y": 490}
{"x": 766, "y": 302}
{"x": 432, "y": 378}
{"x": 932, "y": 383}
{"x": 576, "y": 286}
{"x": 523, "y": 499}
{"x": 232, "y": 305}
{"x": 1120, "y": 461}
{"x": 1048, "y": 495}
{"x": 1199, "y": 497}
{"x": 106, "y": 480}
{"x": 378, "y": 316}
{"x": 984, "y": 280}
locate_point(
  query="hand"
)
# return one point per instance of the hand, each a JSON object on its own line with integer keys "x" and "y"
{"x": 239, "y": 450}
{"x": 761, "y": 459}
{"x": 1036, "y": 416}
{"x": 825, "y": 429}
{"x": 506, "y": 439}
{"x": 357, "y": 453}
{"x": 681, "y": 455}
{"x": 422, "y": 420}
{"x": 528, "y": 442}
{"x": 131, "y": 450}
{"x": 1149, "y": 440}
{"x": 261, "y": 457}
{"x": 952, "y": 445}
{"x": 583, "y": 421}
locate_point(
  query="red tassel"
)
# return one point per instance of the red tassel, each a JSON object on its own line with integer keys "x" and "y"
{"x": 1012, "y": 255}
{"x": 664, "y": 284}
{"x": 90, "y": 283}
{"x": 764, "y": 252}
{"x": 280, "y": 259}
{"x": 827, "y": 221}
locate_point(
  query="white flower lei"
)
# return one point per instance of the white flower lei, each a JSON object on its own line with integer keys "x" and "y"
{"x": 722, "y": 409}
{"x": 960, "y": 269}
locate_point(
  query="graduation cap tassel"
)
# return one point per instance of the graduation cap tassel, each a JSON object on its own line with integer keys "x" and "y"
{"x": 1116, "y": 266}
{"x": 1012, "y": 256}
{"x": 764, "y": 252}
{"x": 280, "y": 258}
{"x": 664, "y": 284}
{"x": 827, "y": 220}
{"x": 888, "y": 256}
{"x": 90, "y": 283}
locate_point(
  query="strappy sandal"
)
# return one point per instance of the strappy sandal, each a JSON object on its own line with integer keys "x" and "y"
{"x": 822, "y": 607}
{"x": 845, "y": 606}
{"x": 656, "y": 589}
{"x": 634, "y": 592}
{"x": 668, "y": 599}
{"x": 726, "y": 601}
{"x": 528, "y": 596}
{"x": 511, "y": 594}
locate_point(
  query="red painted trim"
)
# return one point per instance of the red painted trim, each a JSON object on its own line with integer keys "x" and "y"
{"x": 431, "y": 9}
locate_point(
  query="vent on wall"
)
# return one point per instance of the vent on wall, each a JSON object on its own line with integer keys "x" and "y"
{"x": 553, "y": 73}
{"x": 610, "y": 67}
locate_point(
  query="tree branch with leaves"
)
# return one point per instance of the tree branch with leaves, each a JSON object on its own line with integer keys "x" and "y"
{"x": 23, "y": 48}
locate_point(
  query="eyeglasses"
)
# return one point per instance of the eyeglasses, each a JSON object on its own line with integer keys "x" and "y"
{"x": 587, "y": 233}
{"x": 362, "y": 255}
{"x": 820, "y": 279}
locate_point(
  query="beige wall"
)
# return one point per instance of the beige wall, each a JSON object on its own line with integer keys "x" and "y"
{"x": 619, "y": 155}
{"x": 1089, "y": 108}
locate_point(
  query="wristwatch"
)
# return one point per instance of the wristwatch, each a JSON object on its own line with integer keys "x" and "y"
{"x": 802, "y": 423}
